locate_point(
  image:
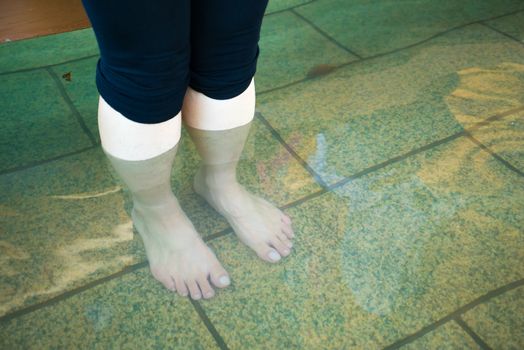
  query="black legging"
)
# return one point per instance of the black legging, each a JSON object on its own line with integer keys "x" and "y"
{"x": 151, "y": 50}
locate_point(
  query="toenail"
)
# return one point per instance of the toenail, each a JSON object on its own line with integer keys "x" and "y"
{"x": 289, "y": 244}
{"x": 197, "y": 296}
{"x": 286, "y": 251}
{"x": 224, "y": 280}
{"x": 209, "y": 294}
{"x": 273, "y": 255}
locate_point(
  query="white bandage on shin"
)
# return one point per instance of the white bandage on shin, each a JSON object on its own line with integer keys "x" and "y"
{"x": 202, "y": 112}
{"x": 129, "y": 140}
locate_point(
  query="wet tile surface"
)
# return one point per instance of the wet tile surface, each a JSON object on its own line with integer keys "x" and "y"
{"x": 380, "y": 257}
{"x": 35, "y": 118}
{"x": 129, "y": 311}
{"x": 290, "y": 50}
{"x": 365, "y": 114}
{"x": 449, "y": 336}
{"x": 506, "y": 138}
{"x": 47, "y": 50}
{"x": 390, "y": 25}
{"x": 390, "y": 252}
{"x": 511, "y": 25}
{"x": 499, "y": 322}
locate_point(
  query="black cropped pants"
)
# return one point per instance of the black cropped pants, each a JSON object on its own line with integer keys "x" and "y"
{"x": 152, "y": 50}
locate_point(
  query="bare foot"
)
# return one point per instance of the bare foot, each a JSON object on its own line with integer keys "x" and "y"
{"x": 178, "y": 257}
{"x": 257, "y": 223}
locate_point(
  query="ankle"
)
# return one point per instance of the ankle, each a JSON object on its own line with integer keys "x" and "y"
{"x": 216, "y": 177}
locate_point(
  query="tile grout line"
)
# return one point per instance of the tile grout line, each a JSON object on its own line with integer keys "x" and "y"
{"x": 290, "y": 8}
{"x": 23, "y": 70}
{"x": 501, "y": 32}
{"x": 72, "y": 107}
{"x": 451, "y": 316}
{"x": 494, "y": 155}
{"x": 209, "y": 325}
{"x": 325, "y": 35}
{"x": 45, "y": 161}
{"x": 67, "y": 294}
{"x": 426, "y": 147}
{"x": 466, "y": 328}
{"x": 294, "y": 154}
{"x": 365, "y": 59}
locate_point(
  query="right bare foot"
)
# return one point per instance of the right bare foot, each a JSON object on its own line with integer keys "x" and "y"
{"x": 178, "y": 257}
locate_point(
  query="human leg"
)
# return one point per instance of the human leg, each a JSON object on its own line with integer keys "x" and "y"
{"x": 136, "y": 77}
{"x": 218, "y": 109}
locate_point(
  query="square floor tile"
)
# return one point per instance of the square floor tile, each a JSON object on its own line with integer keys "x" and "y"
{"x": 506, "y": 138}
{"x": 366, "y": 113}
{"x": 37, "y": 123}
{"x": 381, "y": 257}
{"x": 388, "y": 25}
{"x": 449, "y": 336}
{"x": 47, "y": 50}
{"x": 512, "y": 25}
{"x": 499, "y": 321}
{"x": 132, "y": 311}
{"x": 290, "y": 48}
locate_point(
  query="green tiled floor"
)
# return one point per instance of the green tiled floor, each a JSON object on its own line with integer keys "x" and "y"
{"x": 403, "y": 173}
{"x": 499, "y": 321}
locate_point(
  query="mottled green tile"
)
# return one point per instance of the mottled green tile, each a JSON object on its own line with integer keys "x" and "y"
{"x": 388, "y": 25}
{"x": 279, "y": 5}
{"x": 290, "y": 48}
{"x": 512, "y": 25}
{"x": 82, "y": 90}
{"x": 381, "y": 257}
{"x": 47, "y": 50}
{"x": 449, "y": 336}
{"x": 37, "y": 123}
{"x": 499, "y": 322}
{"x": 369, "y": 112}
{"x": 506, "y": 138}
{"x": 128, "y": 312}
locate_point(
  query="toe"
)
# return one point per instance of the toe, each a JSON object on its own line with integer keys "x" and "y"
{"x": 181, "y": 287}
{"x": 219, "y": 276}
{"x": 164, "y": 278}
{"x": 205, "y": 287}
{"x": 288, "y": 231}
{"x": 267, "y": 253}
{"x": 194, "y": 290}
{"x": 285, "y": 240}
{"x": 280, "y": 246}
{"x": 286, "y": 219}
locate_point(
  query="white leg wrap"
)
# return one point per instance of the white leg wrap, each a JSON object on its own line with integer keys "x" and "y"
{"x": 204, "y": 113}
{"x": 129, "y": 140}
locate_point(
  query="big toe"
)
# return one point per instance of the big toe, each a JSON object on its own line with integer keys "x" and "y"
{"x": 267, "y": 253}
{"x": 219, "y": 276}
